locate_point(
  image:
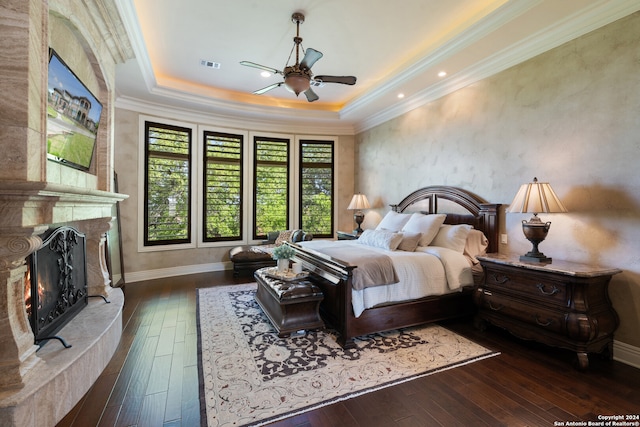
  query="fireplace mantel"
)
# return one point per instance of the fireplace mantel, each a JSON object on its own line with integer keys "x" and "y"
{"x": 29, "y": 204}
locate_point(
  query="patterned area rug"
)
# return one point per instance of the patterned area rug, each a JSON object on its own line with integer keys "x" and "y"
{"x": 249, "y": 376}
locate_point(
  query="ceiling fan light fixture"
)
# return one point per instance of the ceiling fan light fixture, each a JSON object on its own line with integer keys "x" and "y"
{"x": 297, "y": 82}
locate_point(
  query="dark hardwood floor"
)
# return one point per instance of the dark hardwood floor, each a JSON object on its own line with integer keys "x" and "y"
{"x": 152, "y": 379}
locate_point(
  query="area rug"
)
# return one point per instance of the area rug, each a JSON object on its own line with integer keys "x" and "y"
{"x": 249, "y": 376}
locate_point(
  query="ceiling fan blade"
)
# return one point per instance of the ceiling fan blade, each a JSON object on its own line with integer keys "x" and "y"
{"x": 311, "y": 95}
{"x": 345, "y": 80}
{"x": 268, "y": 88}
{"x": 260, "y": 67}
{"x": 310, "y": 58}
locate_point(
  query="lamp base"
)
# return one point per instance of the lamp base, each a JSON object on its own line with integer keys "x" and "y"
{"x": 535, "y": 231}
{"x": 535, "y": 258}
{"x": 358, "y": 217}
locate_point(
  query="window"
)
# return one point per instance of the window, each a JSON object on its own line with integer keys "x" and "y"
{"x": 205, "y": 186}
{"x": 271, "y": 185}
{"x": 167, "y": 197}
{"x": 316, "y": 187}
{"x": 222, "y": 206}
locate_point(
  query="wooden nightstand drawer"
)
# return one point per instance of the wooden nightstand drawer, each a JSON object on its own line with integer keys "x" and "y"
{"x": 548, "y": 319}
{"x": 532, "y": 285}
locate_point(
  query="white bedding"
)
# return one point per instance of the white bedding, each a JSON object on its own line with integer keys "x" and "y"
{"x": 427, "y": 271}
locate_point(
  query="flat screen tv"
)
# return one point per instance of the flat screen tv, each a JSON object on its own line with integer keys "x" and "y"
{"x": 73, "y": 117}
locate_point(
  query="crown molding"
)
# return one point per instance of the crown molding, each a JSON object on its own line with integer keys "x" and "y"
{"x": 129, "y": 16}
{"x": 598, "y": 15}
{"x": 350, "y": 120}
{"x": 494, "y": 21}
{"x": 313, "y": 125}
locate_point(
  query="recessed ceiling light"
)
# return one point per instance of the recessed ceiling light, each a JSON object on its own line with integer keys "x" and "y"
{"x": 442, "y": 73}
{"x": 265, "y": 74}
{"x": 210, "y": 64}
{"x": 400, "y": 95}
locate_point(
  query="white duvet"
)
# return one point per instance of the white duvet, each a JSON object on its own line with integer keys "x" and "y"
{"x": 428, "y": 271}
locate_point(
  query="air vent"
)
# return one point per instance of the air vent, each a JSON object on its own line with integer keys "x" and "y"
{"x": 316, "y": 83}
{"x": 210, "y": 64}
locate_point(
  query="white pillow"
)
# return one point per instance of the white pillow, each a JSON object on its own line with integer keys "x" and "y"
{"x": 452, "y": 237}
{"x": 393, "y": 221}
{"x": 427, "y": 225}
{"x": 380, "y": 239}
{"x": 476, "y": 244}
{"x": 409, "y": 241}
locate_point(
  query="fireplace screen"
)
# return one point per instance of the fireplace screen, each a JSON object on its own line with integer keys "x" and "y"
{"x": 56, "y": 285}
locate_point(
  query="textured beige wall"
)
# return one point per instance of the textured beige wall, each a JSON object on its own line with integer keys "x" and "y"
{"x": 570, "y": 116}
{"x": 126, "y": 166}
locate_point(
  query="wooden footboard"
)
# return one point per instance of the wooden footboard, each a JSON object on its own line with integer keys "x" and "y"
{"x": 334, "y": 278}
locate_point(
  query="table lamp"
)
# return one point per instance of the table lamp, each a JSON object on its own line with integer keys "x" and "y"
{"x": 536, "y": 197}
{"x": 358, "y": 202}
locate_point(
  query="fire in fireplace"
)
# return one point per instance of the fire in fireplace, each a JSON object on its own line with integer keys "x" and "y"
{"x": 56, "y": 282}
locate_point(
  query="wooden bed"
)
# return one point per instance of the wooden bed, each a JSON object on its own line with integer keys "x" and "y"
{"x": 334, "y": 277}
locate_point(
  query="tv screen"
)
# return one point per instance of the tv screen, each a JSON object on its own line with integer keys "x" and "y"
{"x": 73, "y": 116}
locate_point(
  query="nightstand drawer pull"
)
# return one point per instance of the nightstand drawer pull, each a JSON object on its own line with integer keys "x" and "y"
{"x": 554, "y": 291}
{"x": 547, "y": 323}
{"x": 500, "y": 279}
{"x": 495, "y": 308}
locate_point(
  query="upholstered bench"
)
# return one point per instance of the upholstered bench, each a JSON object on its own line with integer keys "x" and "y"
{"x": 249, "y": 258}
{"x": 291, "y": 306}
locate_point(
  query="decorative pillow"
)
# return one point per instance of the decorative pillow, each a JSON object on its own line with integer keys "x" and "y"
{"x": 284, "y": 236}
{"x": 383, "y": 239}
{"x": 427, "y": 225}
{"x": 393, "y": 221}
{"x": 452, "y": 237}
{"x": 409, "y": 241}
{"x": 475, "y": 245}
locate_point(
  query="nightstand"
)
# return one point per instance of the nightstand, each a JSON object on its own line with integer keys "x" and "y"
{"x": 347, "y": 235}
{"x": 560, "y": 304}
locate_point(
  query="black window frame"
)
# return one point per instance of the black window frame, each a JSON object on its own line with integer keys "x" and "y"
{"x": 189, "y": 159}
{"x": 255, "y": 176}
{"x": 206, "y": 199}
{"x": 302, "y": 166}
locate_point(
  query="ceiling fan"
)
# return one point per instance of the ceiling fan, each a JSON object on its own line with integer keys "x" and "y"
{"x": 298, "y": 77}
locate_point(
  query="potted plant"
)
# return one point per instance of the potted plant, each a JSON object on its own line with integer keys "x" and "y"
{"x": 283, "y": 254}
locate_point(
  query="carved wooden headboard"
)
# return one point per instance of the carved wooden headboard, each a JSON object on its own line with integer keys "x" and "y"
{"x": 481, "y": 215}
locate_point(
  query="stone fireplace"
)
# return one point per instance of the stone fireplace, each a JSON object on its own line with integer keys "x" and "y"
{"x": 36, "y": 195}
{"x": 94, "y": 332}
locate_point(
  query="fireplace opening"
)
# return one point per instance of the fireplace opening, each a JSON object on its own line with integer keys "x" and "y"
{"x": 56, "y": 283}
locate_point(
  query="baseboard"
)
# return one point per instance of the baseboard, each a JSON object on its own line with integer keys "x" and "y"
{"x": 138, "y": 276}
{"x": 627, "y": 354}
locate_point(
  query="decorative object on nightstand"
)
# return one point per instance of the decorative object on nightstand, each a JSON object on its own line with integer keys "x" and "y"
{"x": 536, "y": 197}
{"x": 358, "y": 203}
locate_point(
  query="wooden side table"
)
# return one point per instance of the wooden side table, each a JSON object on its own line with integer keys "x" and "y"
{"x": 561, "y": 304}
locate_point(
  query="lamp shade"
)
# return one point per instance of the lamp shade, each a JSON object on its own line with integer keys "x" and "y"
{"x": 359, "y": 201}
{"x": 536, "y": 197}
